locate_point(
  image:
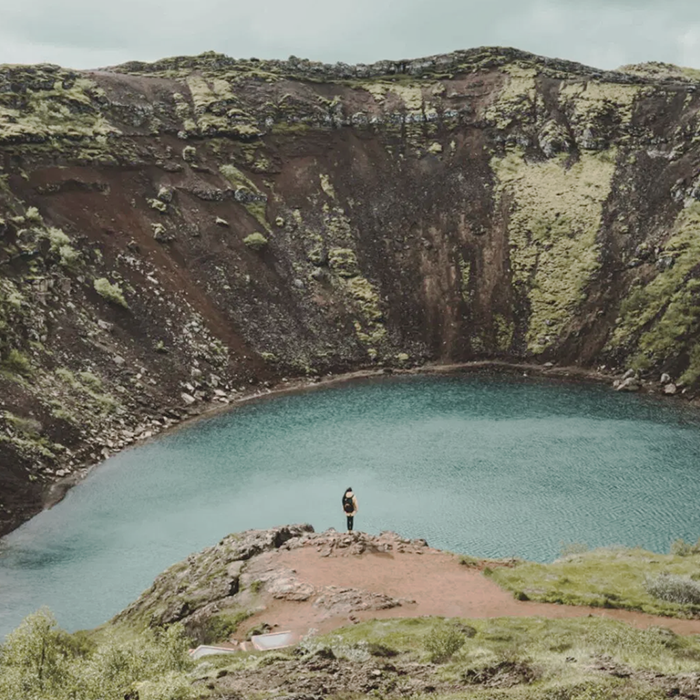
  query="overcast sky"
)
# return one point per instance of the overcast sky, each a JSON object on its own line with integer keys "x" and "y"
{"x": 602, "y": 33}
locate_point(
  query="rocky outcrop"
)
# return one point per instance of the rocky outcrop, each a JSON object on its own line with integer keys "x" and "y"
{"x": 174, "y": 235}
{"x": 211, "y": 577}
{"x": 234, "y": 578}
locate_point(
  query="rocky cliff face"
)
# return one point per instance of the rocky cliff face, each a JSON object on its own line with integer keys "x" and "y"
{"x": 173, "y": 233}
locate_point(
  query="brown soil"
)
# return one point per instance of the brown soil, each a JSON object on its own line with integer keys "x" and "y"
{"x": 435, "y": 580}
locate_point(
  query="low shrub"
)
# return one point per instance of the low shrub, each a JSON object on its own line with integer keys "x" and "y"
{"x": 681, "y": 548}
{"x": 110, "y": 292}
{"x": 674, "y": 589}
{"x": 217, "y": 628}
{"x": 442, "y": 642}
{"x": 256, "y": 241}
{"x": 40, "y": 661}
{"x": 16, "y": 363}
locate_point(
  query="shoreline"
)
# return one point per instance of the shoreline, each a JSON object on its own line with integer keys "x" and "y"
{"x": 57, "y": 491}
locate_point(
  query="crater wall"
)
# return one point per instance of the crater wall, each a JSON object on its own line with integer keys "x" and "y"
{"x": 173, "y": 233}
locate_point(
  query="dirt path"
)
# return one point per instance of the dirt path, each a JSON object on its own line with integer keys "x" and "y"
{"x": 435, "y": 583}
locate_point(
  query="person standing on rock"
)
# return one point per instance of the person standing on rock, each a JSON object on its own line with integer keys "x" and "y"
{"x": 349, "y": 506}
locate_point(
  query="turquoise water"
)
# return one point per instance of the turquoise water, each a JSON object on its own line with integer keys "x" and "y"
{"x": 490, "y": 466}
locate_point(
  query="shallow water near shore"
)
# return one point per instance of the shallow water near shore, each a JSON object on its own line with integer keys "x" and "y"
{"x": 493, "y": 466}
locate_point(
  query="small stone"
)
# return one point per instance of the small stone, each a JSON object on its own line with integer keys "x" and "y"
{"x": 629, "y": 374}
{"x": 221, "y": 222}
{"x": 103, "y": 325}
{"x": 165, "y": 194}
{"x": 670, "y": 389}
{"x": 298, "y": 284}
{"x": 118, "y": 360}
{"x": 665, "y": 378}
{"x": 187, "y": 398}
{"x": 629, "y": 384}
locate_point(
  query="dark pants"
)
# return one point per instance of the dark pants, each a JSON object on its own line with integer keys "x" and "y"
{"x": 351, "y": 520}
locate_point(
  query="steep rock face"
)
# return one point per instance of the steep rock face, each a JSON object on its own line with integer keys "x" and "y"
{"x": 172, "y": 233}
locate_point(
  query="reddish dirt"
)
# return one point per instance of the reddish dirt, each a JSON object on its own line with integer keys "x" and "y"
{"x": 440, "y": 586}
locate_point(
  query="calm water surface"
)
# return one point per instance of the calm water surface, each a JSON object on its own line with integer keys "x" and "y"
{"x": 490, "y": 466}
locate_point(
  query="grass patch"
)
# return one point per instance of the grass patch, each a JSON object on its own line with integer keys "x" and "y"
{"x": 16, "y": 363}
{"x": 543, "y": 643}
{"x": 611, "y": 578}
{"x": 110, "y": 292}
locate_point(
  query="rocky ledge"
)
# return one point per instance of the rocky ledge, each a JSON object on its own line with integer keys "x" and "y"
{"x": 219, "y": 587}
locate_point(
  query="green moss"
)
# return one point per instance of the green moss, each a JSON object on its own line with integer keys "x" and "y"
{"x": 505, "y": 330}
{"x": 256, "y": 241}
{"x": 237, "y": 179}
{"x": 61, "y": 246}
{"x": 33, "y": 216}
{"x": 369, "y": 325}
{"x": 552, "y": 230}
{"x": 254, "y": 201}
{"x": 326, "y": 185}
{"x": 465, "y": 273}
{"x": 664, "y": 312}
{"x": 365, "y": 295}
{"x": 110, "y": 292}
{"x": 290, "y": 129}
{"x": 156, "y": 204}
{"x": 343, "y": 262}
{"x": 54, "y": 104}
{"x": 16, "y": 363}
{"x": 29, "y": 426}
{"x": 517, "y": 97}
{"x": 588, "y": 102}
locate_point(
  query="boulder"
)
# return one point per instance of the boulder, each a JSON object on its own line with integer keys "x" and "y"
{"x": 629, "y": 384}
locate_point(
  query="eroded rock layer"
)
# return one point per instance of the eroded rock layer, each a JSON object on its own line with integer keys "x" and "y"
{"x": 173, "y": 233}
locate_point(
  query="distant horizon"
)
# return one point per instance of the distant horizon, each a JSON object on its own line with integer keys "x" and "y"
{"x": 650, "y": 62}
{"x": 605, "y": 34}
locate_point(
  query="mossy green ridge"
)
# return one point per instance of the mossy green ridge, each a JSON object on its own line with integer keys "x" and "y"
{"x": 55, "y": 104}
